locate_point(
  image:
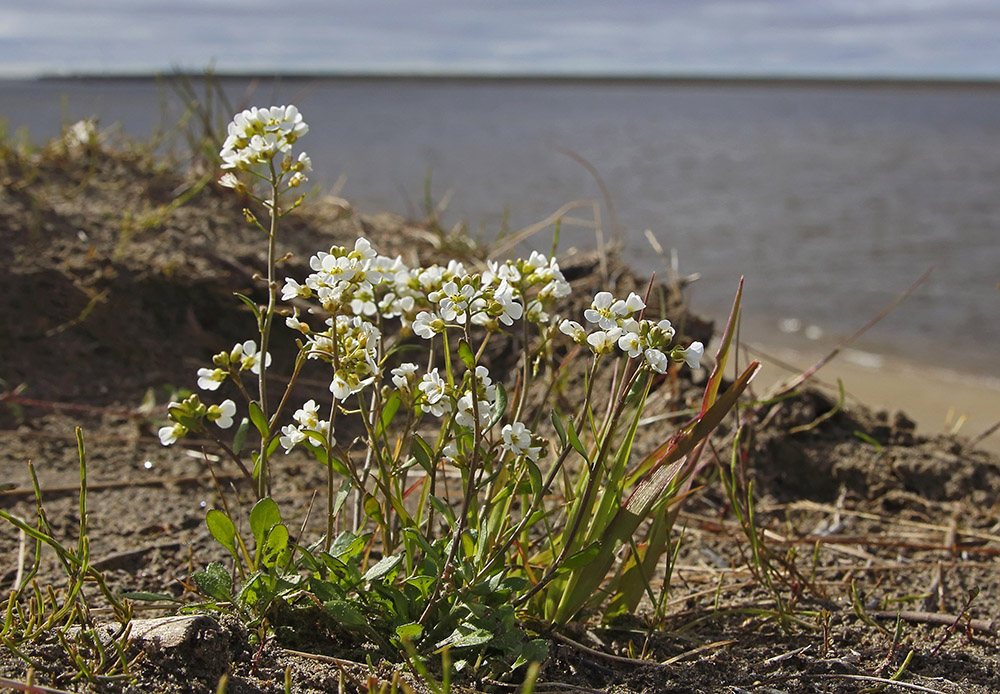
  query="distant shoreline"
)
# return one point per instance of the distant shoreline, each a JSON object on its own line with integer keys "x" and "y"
{"x": 624, "y": 79}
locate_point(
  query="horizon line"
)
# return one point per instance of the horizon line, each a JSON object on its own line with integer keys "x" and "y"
{"x": 528, "y": 77}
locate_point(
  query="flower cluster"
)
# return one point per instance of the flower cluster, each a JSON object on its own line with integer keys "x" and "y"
{"x": 308, "y": 426}
{"x": 191, "y": 415}
{"x": 615, "y": 326}
{"x": 477, "y": 403}
{"x": 256, "y": 135}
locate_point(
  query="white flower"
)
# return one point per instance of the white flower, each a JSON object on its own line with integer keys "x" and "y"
{"x": 455, "y": 300}
{"x": 517, "y": 440}
{"x": 229, "y": 180}
{"x": 511, "y": 310}
{"x": 426, "y": 325}
{"x": 293, "y": 289}
{"x": 574, "y": 330}
{"x": 464, "y": 415}
{"x": 657, "y": 360}
{"x": 169, "y": 434}
{"x": 250, "y": 357}
{"x": 433, "y": 388}
{"x": 403, "y": 376}
{"x": 222, "y": 414}
{"x": 363, "y": 249}
{"x": 211, "y": 379}
{"x": 631, "y": 344}
{"x": 308, "y": 415}
{"x": 292, "y": 437}
{"x": 634, "y": 303}
{"x": 603, "y": 341}
{"x": 600, "y": 311}
{"x": 294, "y": 323}
{"x": 348, "y": 384}
{"x": 693, "y": 354}
{"x": 667, "y": 329}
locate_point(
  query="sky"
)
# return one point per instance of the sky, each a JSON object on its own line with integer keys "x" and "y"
{"x": 851, "y": 38}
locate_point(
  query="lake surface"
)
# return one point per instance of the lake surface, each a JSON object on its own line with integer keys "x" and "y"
{"x": 830, "y": 199}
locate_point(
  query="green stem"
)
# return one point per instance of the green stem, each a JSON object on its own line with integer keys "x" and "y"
{"x": 263, "y": 473}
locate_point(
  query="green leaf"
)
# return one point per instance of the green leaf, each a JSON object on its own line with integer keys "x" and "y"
{"x": 444, "y": 509}
{"x": 276, "y": 551}
{"x": 273, "y": 446}
{"x": 535, "y": 651}
{"x": 259, "y": 420}
{"x": 422, "y": 453}
{"x": 429, "y": 551}
{"x": 463, "y": 637}
{"x": 347, "y": 545}
{"x": 250, "y": 302}
{"x": 263, "y": 516}
{"x": 534, "y": 477}
{"x": 466, "y": 355}
{"x": 383, "y": 567}
{"x": 372, "y": 508}
{"x": 582, "y": 558}
{"x": 346, "y": 613}
{"x": 722, "y": 354}
{"x": 240, "y": 439}
{"x": 574, "y": 441}
{"x": 648, "y": 492}
{"x": 410, "y": 632}
{"x": 389, "y": 409}
{"x": 222, "y": 529}
{"x": 560, "y": 429}
{"x": 499, "y": 406}
{"x": 214, "y": 581}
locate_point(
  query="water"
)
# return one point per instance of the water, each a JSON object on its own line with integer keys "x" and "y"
{"x": 830, "y": 199}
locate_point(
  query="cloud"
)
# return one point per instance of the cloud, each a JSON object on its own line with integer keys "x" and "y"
{"x": 907, "y": 37}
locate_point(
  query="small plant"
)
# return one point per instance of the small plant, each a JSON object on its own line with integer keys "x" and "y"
{"x": 545, "y": 498}
{"x": 97, "y": 655}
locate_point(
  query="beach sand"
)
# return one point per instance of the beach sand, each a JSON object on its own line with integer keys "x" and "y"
{"x": 939, "y": 400}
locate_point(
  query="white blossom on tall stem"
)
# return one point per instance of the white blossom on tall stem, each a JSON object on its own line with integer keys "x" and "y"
{"x": 211, "y": 379}
{"x": 517, "y": 440}
{"x": 222, "y": 414}
{"x": 693, "y": 354}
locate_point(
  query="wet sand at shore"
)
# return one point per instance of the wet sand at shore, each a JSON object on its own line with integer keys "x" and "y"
{"x": 939, "y": 400}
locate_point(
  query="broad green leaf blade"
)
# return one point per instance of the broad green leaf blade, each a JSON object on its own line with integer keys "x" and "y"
{"x": 464, "y": 637}
{"x": 276, "y": 550}
{"x": 240, "y": 438}
{"x": 582, "y": 558}
{"x": 422, "y": 453}
{"x": 263, "y": 516}
{"x": 411, "y": 632}
{"x": 347, "y": 614}
{"x": 499, "y": 406}
{"x": 222, "y": 529}
{"x": 259, "y": 420}
{"x": 214, "y": 581}
{"x": 383, "y": 567}
{"x": 466, "y": 355}
{"x": 574, "y": 441}
{"x": 389, "y": 410}
{"x": 559, "y": 427}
